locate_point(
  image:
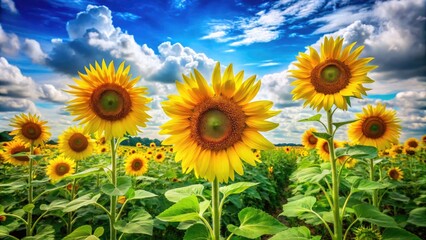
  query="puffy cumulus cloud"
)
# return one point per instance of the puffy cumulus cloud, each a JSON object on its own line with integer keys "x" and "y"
{"x": 8, "y": 104}
{"x": 276, "y": 87}
{"x": 9, "y": 5}
{"x": 52, "y": 94}
{"x": 13, "y": 83}
{"x": 33, "y": 50}
{"x": 9, "y": 43}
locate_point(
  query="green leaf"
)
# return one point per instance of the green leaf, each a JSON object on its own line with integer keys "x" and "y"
{"x": 418, "y": 217}
{"x": 140, "y": 222}
{"x": 367, "y": 185}
{"x": 325, "y": 136}
{"x": 298, "y": 207}
{"x": 80, "y": 202}
{"x": 28, "y": 208}
{"x": 357, "y": 151}
{"x": 315, "y": 118}
{"x": 185, "y": 210}
{"x": 99, "y": 231}
{"x": 203, "y": 206}
{"x": 85, "y": 173}
{"x": 44, "y": 232}
{"x": 371, "y": 214}
{"x": 398, "y": 234}
{"x": 306, "y": 174}
{"x": 1, "y": 209}
{"x": 236, "y": 188}
{"x": 177, "y": 194}
{"x": 55, "y": 205}
{"x": 255, "y": 223}
{"x": 294, "y": 233}
{"x": 398, "y": 197}
{"x": 141, "y": 194}
{"x": 197, "y": 232}
{"x": 339, "y": 124}
{"x": 80, "y": 233}
{"x": 123, "y": 185}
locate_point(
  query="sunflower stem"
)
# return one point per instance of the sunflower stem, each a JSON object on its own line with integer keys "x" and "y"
{"x": 113, "y": 204}
{"x": 30, "y": 191}
{"x": 335, "y": 180}
{"x": 215, "y": 204}
{"x": 374, "y": 192}
{"x": 70, "y": 214}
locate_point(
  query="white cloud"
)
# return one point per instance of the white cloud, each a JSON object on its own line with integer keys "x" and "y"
{"x": 229, "y": 50}
{"x": 269, "y": 64}
{"x": 33, "y": 50}
{"x": 52, "y": 94}
{"x": 8, "y": 104}
{"x": 214, "y": 35}
{"x": 13, "y": 83}
{"x": 9, "y": 5}
{"x": 9, "y": 43}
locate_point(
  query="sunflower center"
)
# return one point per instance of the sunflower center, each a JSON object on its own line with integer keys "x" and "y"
{"x": 217, "y": 123}
{"x": 110, "y": 102}
{"x": 330, "y": 76}
{"x": 373, "y": 127}
{"x": 325, "y": 147}
{"x": 31, "y": 130}
{"x": 62, "y": 169}
{"x": 137, "y": 164}
{"x": 78, "y": 142}
{"x": 413, "y": 144}
{"x": 19, "y": 149}
{"x": 312, "y": 139}
{"x": 394, "y": 174}
{"x": 159, "y": 156}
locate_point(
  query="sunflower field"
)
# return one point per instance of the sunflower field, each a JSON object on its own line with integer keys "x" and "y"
{"x": 215, "y": 176}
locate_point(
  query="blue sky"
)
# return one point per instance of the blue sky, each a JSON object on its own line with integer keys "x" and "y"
{"x": 45, "y": 43}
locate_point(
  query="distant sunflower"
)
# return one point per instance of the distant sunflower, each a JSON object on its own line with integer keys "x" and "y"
{"x": 423, "y": 140}
{"x": 170, "y": 149}
{"x": 324, "y": 152}
{"x": 159, "y": 157}
{"x": 396, "y": 150}
{"x": 350, "y": 163}
{"x": 136, "y": 165}
{"x": 287, "y": 150}
{"x": 30, "y": 129}
{"x": 2, "y": 156}
{"x": 214, "y": 127}
{"x": 108, "y": 102}
{"x": 396, "y": 173}
{"x": 410, "y": 151}
{"x": 152, "y": 145}
{"x": 412, "y": 143}
{"x": 14, "y": 147}
{"x": 377, "y": 127}
{"x": 103, "y": 149}
{"x": 257, "y": 155}
{"x": 139, "y": 144}
{"x": 75, "y": 144}
{"x": 59, "y": 168}
{"x": 309, "y": 140}
{"x": 329, "y": 78}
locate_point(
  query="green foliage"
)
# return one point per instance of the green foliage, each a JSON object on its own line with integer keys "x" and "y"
{"x": 295, "y": 233}
{"x": 85, "y": 232}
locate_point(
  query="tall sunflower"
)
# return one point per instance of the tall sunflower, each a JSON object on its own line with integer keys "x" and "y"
{"x": 412, "y": 143}
{"x": 159, "y": 157}
{"x": 324, "y": 152}
{"x": 136, "y": 165}
{"x": 108, "y": 101}
{"x": 309, "y": 140}
{"x": 14, "y": 147}
{"x": 59, "y": 168}
{"x": 76, "y": 144}
{"x": 30, "y": 129}
{"x": 396, "y": 173}
{"x": 332, "y": 76}
{"x": 376, "y": 126}
{"x": 214, "y": 127}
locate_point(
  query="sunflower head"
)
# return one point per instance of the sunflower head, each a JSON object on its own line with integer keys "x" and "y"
{"x": 136, "y": 165}
{"x": 332, "y": 76}
{"x": 108, "y": 101}
{"x": 121, "y": 199}
{"x": 410, "y": 151}
{"x": 395, "y": 173}
{"x": 365, "y": 233}
{"x": 30, "y": 129}
{"x": 76, "y": 144}
{"x": 159, "y": 157}
{"x": 59, "y": 168}
{"x": 214, "y": 127}
{"x": 139, "y": 144}
{"x": 412, "y": 143}
{"x": 15, "y": 147}
{"x": 152, "y": 145}
{"x": 324, "y": 152}
{"x": 376, "y": 126}
{"x": 309, "y": 140}
{"x": 423, "y": 140}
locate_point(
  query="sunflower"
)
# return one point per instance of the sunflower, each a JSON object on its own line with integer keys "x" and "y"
{"x": 121, "y": 199}
{"x": 257, "y": 155}
{"x": 159, "y": 157}
{"x": 410, "y": 151}
{"x": 75, "y": 144}
{"x": 350, "y": 163}
{"x": 136, "y": 165}
{"x": 324, "y": 152}
{"x": 309, "y": 140}
{"x": 214, "y": 127}
{"x": 287, "y": 150}
{"x": 396, "y": 173}
{"x": 170, "y": 149}
{"x": 2, "y": 156}
{"x": 412, "y": 143}
{"x": 376, "y": 126}
{"x": 152, "y": 145}
{"x": 60, "y": 167}
{"x": 30, "y": 129}
{"x": 396, "y": 150}
{"x": 102, "y": 149}
{"x": 423, "y": 140}
{"x": 332, "y": 77}
{"x": 14, "y": 147}
{"x": 138, "y": 144}
{"x": 108, "y": 102}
